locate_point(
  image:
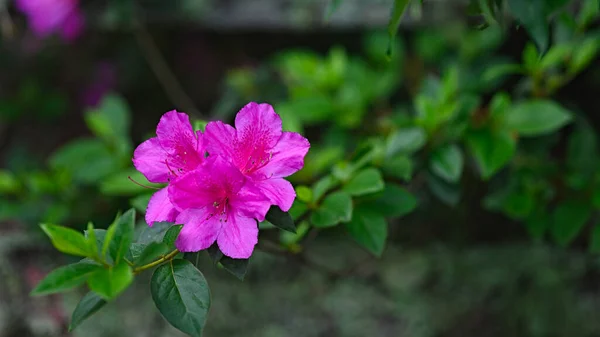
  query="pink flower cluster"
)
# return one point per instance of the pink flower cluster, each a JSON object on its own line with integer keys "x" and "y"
{"x": 223, "y": 180}
{"x": 47, "y": 17}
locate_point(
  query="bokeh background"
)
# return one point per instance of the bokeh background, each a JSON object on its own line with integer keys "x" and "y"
{"x": 507, "y": 248}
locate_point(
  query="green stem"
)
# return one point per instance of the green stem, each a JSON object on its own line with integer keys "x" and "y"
{"x": 152, "y": 264}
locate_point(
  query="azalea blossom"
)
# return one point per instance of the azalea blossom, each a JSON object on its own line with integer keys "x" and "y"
{"x": 175, "y": 150}
{"x": 218, "y": 203}
{"x": 259, "y": 148}
{"x": 47, "y": 17}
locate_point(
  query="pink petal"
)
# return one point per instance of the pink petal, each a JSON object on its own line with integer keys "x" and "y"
{"x": 287, "y": 157}
{"x": 250, "y": 202}
{"x": 160, "y": 208}
{"x": 179, "y": 142}
{"x": 149, "y": 159}
{"x": 210, "y": 183}
{"x": 220, "y": 139}
{"x": 238, "y": 236}
{"x": 199, "y": 231}
{"x": 279, "y": 191}
{"x": 72, "y": 26}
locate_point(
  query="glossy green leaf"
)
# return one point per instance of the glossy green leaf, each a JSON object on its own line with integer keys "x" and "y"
{"x": 369, "y": 229}
{"x": 111, "y": 119}
{"x": 182, "y": 296}
{"x": 92, "y": 241}
{"x": 123, "y": 235}
{"x": 65, "y": 278}
{"x": 156, "y": 233}
{"x": 110, "y": 282}
{"x": 336, "y": 208}
{"x": 237, "y": 267}
{"x": 536, "y": 117}
{"x": 151, "y": 252}
{"x": 214, "y": 253}
{"x": 87, "y": 306}
{"x": 322, "y": 186}
{"x": 88, "y": 160}
{"x": 447, "y": 163}
{"x": 172, "y": 235}
{"x": 67, "y": 240}
{"x": 491, "y": 150}
{"x": 280, "y": 219}
{"x": 406, "y": 141}
{"x": 364, "y": 182}
{"x": 568, "y": 220}
{"x": 395, "y": 201}
{"x": 400, "y": 167}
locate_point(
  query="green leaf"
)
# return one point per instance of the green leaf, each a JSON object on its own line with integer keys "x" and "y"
{"x": 582, "y": 149}
{"x": 237, "y": 267}
{"x": 111, "y": 282}
{"x": 568, "y": 219}
{"x": 396, "y": 15}
{"x": 92, "y": 241}
{"x": 8, "y": 182}
{"x": 446, "y": 192}
{"x": 364, "y": 182}
{"x": 123, "y": 235}
{"x": 118, "y": 184}
{"x": 89, "y": 305}
{"x": 369, "y": 229}
{"x": 447, "y": 163}
{"x": 491, "y": 150}
{"x": 537, "y": 223}
{"x": 497, "y": 71}
{"x": 280, "y": 219}
{"x": 151, "y": 252}
{"x": 394, "y": 202}
{"x": 595, "y": 240}
{"x": 111, "y": 119}
{"x": 67, "y": 240}
{"x": 331, "y": 8}
{"x": 65, "y": 278}
{"x": 182, "y": 296}
{"x": 336, "y": 208}
{"x": 400, "y": 167}
{"x": 536, "y": 117}
{"x": 215, "y": 253}
{"x": 532, "y": 15}
{"x": 406, "y": 141}
{"x": 584, "y": 54}
{"x": 156, "y": 233}
{"x": 172, "y": 235}
{"x": 88, "y": 160}
{"x": 304, "y": 194}
{"x": 322, "y": 186}
{"x": 556, "y": 56}
{"x": 140, "y": 203}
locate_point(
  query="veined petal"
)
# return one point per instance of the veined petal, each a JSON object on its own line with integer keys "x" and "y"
{"x": 200, "y": 230}
{"x": 279, "y": 191}
{"x": 174, "y": 128}
{"x": 287, "y": 157}
{"x": 149, "y": 159}
{"x": 160, "y": 208}
{"x": 238, "y": 236}
{"x": 220, "y": 139}
{"x": 250, "y": 202}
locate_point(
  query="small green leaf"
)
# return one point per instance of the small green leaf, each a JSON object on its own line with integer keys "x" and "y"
{"x": 405, "y": 141}
{"x": 595, "y": 240}
{"x": 497, "y": 71}
{"x": 394, "y": 202}
{"x": 65, "y": 278}
{"x": 88, "y": 160}
{"x": 111, "y": 119}
{"x": 446, "y": 192}
{"x": 280, "y": 219}
{"x": 396, "y": 15}
{"x": 151, "y": 252}
{"x": 369, "y": 229}
{"x": 491, "y": 150}
{"x": 304, "y": 194}
{"x": 172, "y": 235}
{"x": 123, "y": 235}
{"x": 336, "y": 208}
{"x": 67, "y": 240}
{"x": 364, "y": 182}
{"x": 89, "y": 305}
{"x": 8, "y": 182}
{"x": 532, "y": 15}
{"x": 156, "y": 233}
{"x": 400, "y": 167}
{"x": 322, "y": 186}
{"x": 182, "y": 296}
{"x": 109, "y": 283}
{"x": 237, "y": 267}
{"x": 536, "y": 117}
{"x": 568, "y": 220}
{"x": 584, "y": 54}
{"x": 556, "y": 56}
{"x": 447, "y": 163}
{"x": 92, "y": 242}
{"x": 214, "y": 253}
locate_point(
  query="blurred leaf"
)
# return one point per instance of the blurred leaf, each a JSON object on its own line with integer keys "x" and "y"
{"x": 491, "y": 150}
{"x": 568, "y": 219}
{"x": 536, "y": 117}
{"x": 537, "y": 223}
{"x": 499, "y": 104}
{"x": 447, "y": 163}
{"x": 369, "y": 229}
{"x": 584, "y": 54}
{"x": 111, "y": 119}
{"x": 304, "y": 194}
{"x": 589, "y": 11}
{"x": 322, "y": 186}
{"x": 396, "y": 15}
{"x": 65, "y": 278}
{"x": 395, "y": 201}
{"x": 214, "y": 253}
{"x": 8, "y": 182}
{"x": 332, "y": 6}
{"x": 151, "y": 252}
{"x": 182, "y": 296}
{"x": 92, "y": 241}
{"x": 118, "y": 184}
{"x": 280, "y": 219}
{"x": 582, "y": 149}
{"x": 531, "y": 57}
{"x": 89, "y": 305}
{"x": 556, "y": 56}
{"x": 364, "y": 182}
{"x": 595, "y": 240}
{"x": 497, "y": 71}
{"x": 88, "y": 160}
{"x": 532, "y": 15}
{"x": 407, "y": 141}
{"x": 237, "y": 267}
{"x": 199, "y": 124}
{"x": 400, "y": 167}
{"x": 336, "y": 208}
{"x": 67, "y": 240}
{"x": 140, "y": 203}
{"x": 444, "y": 191}
{"x": 109, "y": 283}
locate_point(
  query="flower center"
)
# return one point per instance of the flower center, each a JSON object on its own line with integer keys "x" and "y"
{"x": 220, "y": 208}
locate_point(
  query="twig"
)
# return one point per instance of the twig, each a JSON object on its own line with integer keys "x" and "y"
{"x": 162, "y": 71}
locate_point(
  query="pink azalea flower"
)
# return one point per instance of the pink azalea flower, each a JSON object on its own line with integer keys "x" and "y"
{"x": 176, "y": 150}
{"x": 260, "y": 150}
{"x": 50, "y": 16}
{"x": 218, "y": 204}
